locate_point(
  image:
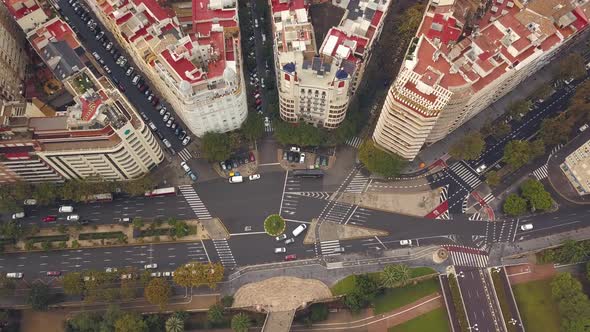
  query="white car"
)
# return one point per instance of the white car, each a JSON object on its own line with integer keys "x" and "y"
{"x": 186, "y": 140}
{"x": 526, "y": 227}
{"x": 110, "y": 269}
{"x": 151, "y": 266}
{"x": 281, "y": 237}
{"x": 254, "y": 177}
{"x": 155, "y": 274}
{"x": 481, "y": 168}
{"x": 14, "y": 275}
{"x": 185, "y": 167}
{"x": 166, "y": 143}
{"x": 18, "y": 215}
{"x": 405, "y": 242}
{"x": 280, "y": 250}
{"x": 168, "y": 274}
{"x": 295, "y": 149}
{"x": 126, "y": 276}
{"x": 289, "y": 241}
{"x": 73, "y": 217}
{"x": 302, "y": 158}
{"x": 266, "y": 121}
{"x": 30, "y": 202}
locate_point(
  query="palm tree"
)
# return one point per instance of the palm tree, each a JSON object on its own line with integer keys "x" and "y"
{"x": 174, "y": 324}
{"x": 394, "y": 275}
{"x": 240, "y": 322}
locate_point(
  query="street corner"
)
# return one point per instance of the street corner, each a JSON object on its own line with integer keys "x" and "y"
{"x": 171, "y": 174}
{"x": 297, "y": 158}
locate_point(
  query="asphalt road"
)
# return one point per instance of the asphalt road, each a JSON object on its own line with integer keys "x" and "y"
{"x": 478, "y": 299}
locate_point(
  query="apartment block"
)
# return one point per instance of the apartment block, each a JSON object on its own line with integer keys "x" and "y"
{"x": 576, "y": 168}
{"x": 13, "y": 58}
{"x": 465, "y": 56}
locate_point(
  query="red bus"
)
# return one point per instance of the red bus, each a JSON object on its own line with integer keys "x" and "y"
{"x": 161, "y": 192}
{"x": 106, "y": 197}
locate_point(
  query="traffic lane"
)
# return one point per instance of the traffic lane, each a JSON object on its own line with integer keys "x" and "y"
{"x": 136, "y": 98}
{"x": 259, "y": 249}
{"x": 450, "y": 305}
{"x": 105, "y": 212}
{"x": 545, "y": 225}
{"x": 512, "y": 301}
{"x": 243, "y": 204}
{"x": 301, "y": 208}
{"x": 474, "y": 298}
{"x": 392, "y": 242}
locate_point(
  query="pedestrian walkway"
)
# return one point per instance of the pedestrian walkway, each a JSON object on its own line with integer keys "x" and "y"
{"x": 355, "y": 142}
{"x": 185, "y": 154}
{"x": 194, "y": 201}
{"x": 327, "y": 247}
{"x": 476, "y": 216}
{"x": 488, "y": 198}
{"x": 541, "y": 173}
{"x": 444, "y": 194}
{"x": 337, "y": 212}
{"x": 269, "y": 128}
{"x": 225, "y": 254}
{"x": 467, "y": 256}
{"x": 466, "y": 174}
{"x": 358, "y": 184}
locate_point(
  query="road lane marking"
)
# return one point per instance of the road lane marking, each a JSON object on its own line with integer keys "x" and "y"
{"x": 283, "y": 195}
{"x": 203, "y": 244}
{"x": 247, "y": 233}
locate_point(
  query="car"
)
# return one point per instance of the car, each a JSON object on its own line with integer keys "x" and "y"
{"x": 110, "y": 269}
{"x": 129, "y": 71}
{"x": 177, "y": 131}
{"x": 295, "y": 149}
{"x": 266, "y": 121}
{"x": 66, "y": 209}
{"x": 193, "y": 176}
{"x": 152, "y": 126}
{"x": 109, "y": 46}
{"x": 252, "y": 158}
{"x": 526, "y": 227}
{"x": 281, "y": 237}
{"x": 73, "y": 217}
{"x": 234, "y": 164}
{"x": 290, "y": 240}
{"x": 280, "y": 250}
{"x": 169, "y": 122}
{"x": 222, "y": 165}
{"x": 160, "y": 135}
{"x": 185, "y": 167}
{"x": 254, "y": 177}
{"x": 99, "y": 35}
{"x": 166, "y": 143}
{"x": 14, "y": 275}
{"x": 324, "y": 161}
{"x": 30, "y": 201}
{"x": 144, "y": 116}
{"x": 291, "y": 257}
{"x": 258, "y": 102}
{"x": 156, "y": 274}
{"x": 126, "y": 276}
{"x": 174, "y": 126}
{"x": 18, "y": 215}
{"x": 232, "y": 173}
{"x": 168, "y": 274}
{"x": 150, "y": 97}
{"x": 150, "y": 266}
{"x": 285, "y": 155}
{"x": 123, "y": 62}
{"x": 302, "y": 158}
{"x": 405, "y": 242}
{"x": 53, "y": 273}
{"x": 299, "y": 230}
{"x": 49, "y": 219}
{"x": 163, "y": 111}
{"x": 481, "y": 168}
{"x": 89, "y": 23}
{"x": 135, "y": 79}
{"x": 155, "y": 101}
{"x": 291, "y": 156}
{"x": 186, "y": 140}
{"x": 107, "y": 69}
{"x": 166, "y": 117}
{"x": 96, "y": 56}
{"x": 182, "y": 134}
{"x": 582, "y": 128}
{"x": 83, "y": 222}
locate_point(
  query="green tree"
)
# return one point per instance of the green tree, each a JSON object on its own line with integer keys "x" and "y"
{"x": 564, "y": 285}
{"x": 571, "y": 66}
{"x": 130, "y": 322}
{"x": 215, "y": 146}
{"x": 158, "y": 292}
{"x": 379, "y": 161}
{"x": 85, "y": 322}
{"x": 7, "y": 286}
{"x": 572, "y": 252}
{"x": 588, "y": 271}
{"x": 469, "y": 147}
{"x": 73, "y": 284}
{"x": 253, "y": 127}
{"x": 517, "y": 153}
{"x": 319, "y": 312}
{"x": 354, "y": 301}
{"x": 240, "y": 322}
{"x": 302, "y": 134}
{"x": 39, "y": 296}
{"x": 215, "y": 314}
{"x": 235, "y": 140}
{"x": 227, "y": 301}
{"x": 493, "y": 178}
{"x": 555, "y": 130}
{"x": 394, "y": 275}
{"x": 137, "y": 222}
{"x": 537, "y": 148}
{"x": 111, "y": 315}
{"x": 514, "y": 205}
{"x": 519, "y": 108}
{"x": 537, "y": 196}
{"x": 45, "y": 193}
{"x": 139, "y": 186}
{"x": 500, "y": 129}
{"x": 174, "y": 324}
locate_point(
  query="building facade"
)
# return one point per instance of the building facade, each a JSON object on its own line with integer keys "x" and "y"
{"x": 576, "y": 168}
{"x": 466, "y": 55}
{"x": 316, "y": 79}
{"x": 191, "y": 56}
{"x": 13, "y": 58}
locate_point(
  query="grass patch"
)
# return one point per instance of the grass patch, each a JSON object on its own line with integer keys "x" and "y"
{"x": 154, "y": 232}
{"x": 421, "y": 271}
{"x": 537, "y": 308}
{"x": 274, "y": 225}
{"x": 53, "y": 238}
{"x": 434, "y": 321}
{"x": 393, "y": 298}
{"x": 100, "y": 236}
{"x": 346, "y": 285}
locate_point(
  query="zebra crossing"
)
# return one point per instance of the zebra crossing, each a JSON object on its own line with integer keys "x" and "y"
{"x": 541, "y": 173}
{"x": 196, "y": 252}
{"x": 269, "y": 128}
{"x": 556, "y": 148}
{"x": 314, "y": 194}
{"x": 185, "y": 154}
{"x": 464, "y": 204}
{"x": 476, "y": 216}
{"x": 466, "y": 173}
{"x": 444, "y": 216}
{"x": 337, "y": 213}
{"x": 488, "y": 198}
{"x": 358, "y": 184}
{"x": 327, "y": 247}
{"x": 355, "y": 142}
{"x": 466, "y": 256}
{"x": 224, "y": 252}
{"x": 194, "y": 201}
{"x": 444, "y": 194}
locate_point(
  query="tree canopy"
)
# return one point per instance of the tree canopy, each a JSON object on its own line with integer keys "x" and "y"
{"x": 538, "y": 198}
{"x": 253, "y": 127}
{"x": 493, "y": 178}
{"x": 469, "y": 147}
{"x": 215, "y": 146}
{"x": 158, "y": 292}
{"x": 130, "y": 322}
{"x": 301, "y": 134}
{"x": 573, "y": 303}
{"x": 39, "y": 296}
{"x": 379, "y": 161}
{"x": 519, "y": 108}
{"x": 517, "y": 153}
{"x": 241, "y": 322}
{"x": 555, "y": 130}
{"x": 571, "y": 66}
{"x": 196, "y": 274}
{"x": 514, "y": 205}
{"x": 72, "y": 283}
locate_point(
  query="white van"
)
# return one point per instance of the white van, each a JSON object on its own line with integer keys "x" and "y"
{"x": 256, "y": 22}
{"x": 66, "y": 209}
{"x": 236, "y": 179}
{"x": 299, "y": 229}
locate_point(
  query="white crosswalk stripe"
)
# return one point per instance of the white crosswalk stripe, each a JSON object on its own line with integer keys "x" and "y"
{"x": 466, "y": 174}
{"x": 185, "y": 154}
{"x": 475, "y": 216}
{"x": 328, "y": 247}
{"x": 269, "y": 128}
{"x": 357, "y": 184}
{"x": 224, "y": 252}
{"x": 556, "y": 148}
{"x": 337, "y": 212}
{"x": 314, "y": 194}
{"x": 355, "y": 142}
{"x": 444, "y": 194}
{"x": 194, "y": 201}
{"x": 541, "y": 172}
{"x": 461, "y": 258}
{"x": 489, "y": 197}
{"x": 444, "y": 216}
{"x": 464, "y": 205}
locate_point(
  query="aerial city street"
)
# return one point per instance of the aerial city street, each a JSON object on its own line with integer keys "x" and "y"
{"x": 295, "y": 165}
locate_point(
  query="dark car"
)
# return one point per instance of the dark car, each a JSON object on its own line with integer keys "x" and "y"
{"x": 290, "y": 156}
{"x": 235, "y": 163}
{"x": 182, "y": 135}
{"x": 228, "y": 164}
{"x": 177, "y": 131}
{"x": 144, "y": 116}
{"x": 155, "y": 101}
{"x": 83, "y": 222}
{"x": 121, "y": 87}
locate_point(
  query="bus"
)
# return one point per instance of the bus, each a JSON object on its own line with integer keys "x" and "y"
{"x": 106, "y": 197}
{"x": 308, "y": 173}
{"x": 161, "y": 192}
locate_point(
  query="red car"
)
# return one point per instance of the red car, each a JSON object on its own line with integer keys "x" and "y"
{"x": 53, "y": 273}
{"x": 252, "y": 156}
{"x": 258, "y": 101}
{"x": 291, "y": 257}
{"x": 49, "y": 219}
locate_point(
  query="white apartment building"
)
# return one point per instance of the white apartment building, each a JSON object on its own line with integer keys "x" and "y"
{"x": 576, "y": 168}
{"x": 316, "y": 83}
{"x": 193, "y": 60}
{"x": 463, "y": 58}
{"x": 13, "y": 58}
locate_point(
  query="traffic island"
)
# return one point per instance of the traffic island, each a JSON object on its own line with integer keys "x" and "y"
{"x": 274, "y": 225}
{"x": 414, "y": 204}
{"x": 334, "y": 231}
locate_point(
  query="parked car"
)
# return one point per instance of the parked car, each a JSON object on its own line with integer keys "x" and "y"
{"x": 182, "y": 134}
{"x": 18, "y": 215}
{"x": 405, "y": 242}
{"x": 290, "y": 240}
{"x": 49, "y": 219}
{"x": 129, "y": 71}
{"x": 291, "y": 257}
{"x": 299, "y": 230}
{"x": 166, "y": 116}
{"x": 150, "y": 266}
{"x": 302, "y": 158}
{"x": 30, "y": 201}
{"x": 186, "y": 140}
{"x": 193, "y": 175}
{"x": 166, "y": 143}
{"x": 109, "y": 46}
{"x": 251, "y": 156}
{"x": 266, "y": 121}
{"x": 254, "y": 177}
{"x": 280, "y": 250}
{"x": 185, "y": 167}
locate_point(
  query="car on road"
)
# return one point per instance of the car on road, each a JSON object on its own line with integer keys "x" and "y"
{"x": 66, "y": 209}
{"x": 156, "y": 274}
{"x": 302, "y": 158}
{"x": 280, "y": 250}
{"x": 150, "y": 266}
{"x": 152, "y": 126}
{"x": 299, "y": 230}
{"x": 339, "y": 249}
{"x": 49, "y": 219}
{"x": 53, "y": 273}
{"x": 129, "y": 71}
{"x": 405, "y": 242}
{"x": 109, "y": 46}
{"x": 481, "y": 168}
{"x": 166, "y": 116}
{"x": 291, "y": 257}
{"x": 166, "y": 143}
{"x": 281, "y": 237}
{"x": 127, "y": 276}
{"x": 254, "y": 177}
{"x": 185, "y": 167}
{"x": 295, "y": 149}
{"x": 285, "y": 155}
{"x": 111, "y": 269}
{"x": 526, "y": 227}
{"x": 193, "y": 175}
{"x": 144, "y": 116}
{"x": 14, "y": 275}
{"x": 99, "y": 35}
{"x": 186, "y": 140}
{"x": 83, "y": 222}
{"x": 289, "y": 241}
{"x": 169, "y": 123}
{"x": 236, "y": 179}
{"x": 73, "y": 217}
{"x": 168, "y": 274}
{"x": 18, "y": 215}
{"x": 30, "y": 202}
{"x": 182, "y": 134}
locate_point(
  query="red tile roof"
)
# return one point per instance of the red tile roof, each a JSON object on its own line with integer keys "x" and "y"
{"x": 89, "y": 108}
{"x": 154, "y": 7}
{"x": 445, "y": 30}
{"x": 22, "y": 10}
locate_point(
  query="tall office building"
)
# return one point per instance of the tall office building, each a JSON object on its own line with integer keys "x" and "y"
{"x": 466, "y": 55}
{"x": 13, "y": 58}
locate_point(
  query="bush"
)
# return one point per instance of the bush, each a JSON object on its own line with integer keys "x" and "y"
{"x": 379, "y": 161}
{"x": 100, "y": 235}
{"x": 319, "y": 312}
{"x": 227, "y": 301}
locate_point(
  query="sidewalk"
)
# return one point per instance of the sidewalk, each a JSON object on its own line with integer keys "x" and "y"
{"x": 519, "y": 274}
